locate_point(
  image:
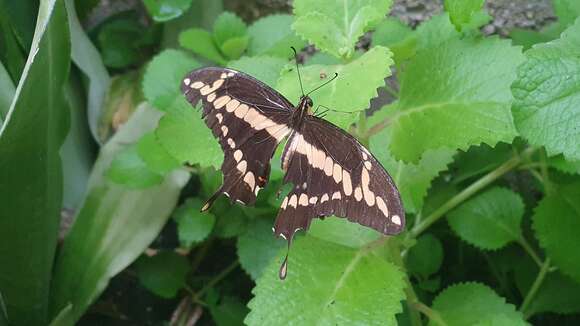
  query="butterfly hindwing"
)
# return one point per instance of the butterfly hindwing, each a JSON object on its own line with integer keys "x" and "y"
{"x": 333, "y": 174}
{"x": 248, "y": 118}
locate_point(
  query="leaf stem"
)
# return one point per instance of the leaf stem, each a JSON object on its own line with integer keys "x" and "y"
{"x": 430, "y": 313}
{"x": 535, "y": 286}
{"x": 217, "y": 278}
{"x": 528, "y": 248}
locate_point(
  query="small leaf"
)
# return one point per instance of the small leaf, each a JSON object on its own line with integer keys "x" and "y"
{"x": 435, "y": 31}
{"x": 461, "y": 11}
{"x": 426, "y": 256}
{"x": 228, "y": 26}
{"x": 164, "y": 10}
{"x": 193, "y": 226}
{"x": 234, "y": 47}
{"x": 163, "y": 78}
{"x": 547, "y": 93}
{"x": 258, "y": 246}
{"x": 397, "y": 36}
{"x": 489, "y": 220}
{"x": 273, "y": 35}
{"x": 328, "y": 284}
{"x": 335, "y": 26}
{"x": 343, "y": 232}
{"x": 130, "y": 170}
{"x": 163, "y": 274}
{"x": 265, "y": 69}
{"x": 154, "y": 155}
{"x": 560, "y": 163}
{"x": 201, "y": 42}
{"x": 230, "y": 311}
{"x": 474, "y": 304}
{"x": 556, "y": 223}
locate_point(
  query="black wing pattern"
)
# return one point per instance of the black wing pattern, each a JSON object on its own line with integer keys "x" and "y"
{"x": 248, "y": 118}
{"x": 333, "y": 174}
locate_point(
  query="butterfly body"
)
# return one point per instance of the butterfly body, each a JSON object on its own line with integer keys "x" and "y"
{"x": 331, "y": 172}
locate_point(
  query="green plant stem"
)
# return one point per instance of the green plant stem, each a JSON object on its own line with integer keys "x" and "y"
{"x": 528, "y": 248}
{"x": 430, "y": 313}
{"x": 412, "y": 304}
{"x": 465, "y": 194}
{"x": 217, "y": 278}
{"x": 535, "y": 286}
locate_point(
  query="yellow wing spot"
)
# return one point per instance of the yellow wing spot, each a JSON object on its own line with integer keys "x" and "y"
{"x": 187, "y": 81}
{"x": 225, "y": 130}
{"x": 337, "y": 173}
{"x": 382, "y": 206}
{"x": 328, "y": 166}
{"x": 303, "y": 201}
{"x": 238, "y": 155}
{"x": 232, "y": 105}
{"x": 221, "y": 101}
{"x": 211, "y": 97}
{"x": 324, "y": 198}
{"x": 396, "y": 219}
{"x": 293, "y": 201}
{"x": 284, "y": 203}
{"x": 241, "y": 111}
{"x": 197, "y": 85}
{"x": 336, "y": 195}
{"x": 358, "y": 194}
{"x": 346, "y": 183}
{"x": 313, "y": 200}
{"x": 250, "y": 180}
{"x": 232, "y": 143}
{"x": 242, "y": 166}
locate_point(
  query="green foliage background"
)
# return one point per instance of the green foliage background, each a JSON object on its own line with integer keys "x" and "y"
{"x": 480, "y": 133}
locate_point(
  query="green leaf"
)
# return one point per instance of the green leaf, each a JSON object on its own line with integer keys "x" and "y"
{"x": 164, "y": 273}
{"x": 230, "y": 311}
{"x": 328, "y": 284}
{"x": 228, "y": 26}
{"x": 480, "y": 159}
{"x": 474, "y": 304}
{"x": 547, "y": 94}
{"x": 128, "y": 169}
{"x": 273, "y": 35}
{"x": 7, "y": 91}
{"x": 343, "y": 232}
{"x": 193, "y": 226}
{"x": 201, "y": 42}
{"x": 258, "y": 246}
{"x": 556, "y": 223}
{"x": 567, "y": 11}
{"x": 435, "y": 31}
{"x": 560, "y": 163}
{"x": 528, "y": 38}
{"x": 154, "y": 155}
{"x": 163, "y": 77}
{"x": 426, "y": 256}
{"x": 361, "y": 76}
{"x": 185, "y": 136}
{"x": 264, "y": 68}
{"x": 234, "y": 47}
{"x": 164, "y": 10}
{"x": 31, "y": 171}
{"x": 412, "y": 180}
{"x": 114, "y": 225}
{"x": 397, "y": 36}
{"x": 64, "y": 317}
{"x": 489, "y": 220}
{"x": 335, "y": 26}
{"x": 461, "y": 11}
{"x": 467, "y": 91}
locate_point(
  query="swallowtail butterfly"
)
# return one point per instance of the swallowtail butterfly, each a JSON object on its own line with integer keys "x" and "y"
{"x": 331, "y": 172}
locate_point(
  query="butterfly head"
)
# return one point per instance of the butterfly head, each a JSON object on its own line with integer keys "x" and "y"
{"x": 306, "y": 104}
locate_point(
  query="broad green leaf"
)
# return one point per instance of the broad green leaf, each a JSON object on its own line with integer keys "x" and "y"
{"x": 461, "y": 11}
{"x": 31, "y": 171}
{"x": 11, "y": 52}
{"x": 87, "y": 58}
{"x": 560, "y": 163}
{"x": 164, "y": 273}
{"x": 547, "y": 95}
{"x": 234, "y": 47}
{"x": 154, "y": 155}
{"x": 64, "y": 317}
{"x": 527, "y": 38}
{"x": 230, "y": 219}
{"x": 435, "y": 31}
{"x": 480, "y": 159}
{"x": 164, "y": 10}
{"x": 114, "y": 225}
{"x": 334, "y": 285}
{"x": 426, "y": 256}
{"x": 342, "y": 232}
{"x": 129, "y": 169}
{"x": 201, "y": 42}
{"x": 185, "y": 136}
{"x": 228, "y": 26}
{"x": 163, "y": 78}
{"x": 335, "y": 26}
{"x": 489, "y": 220}
{"x": 264, "y": 68}
{"x": 193, "y": 226}
{"x": 361, "y": 77}
{"x": 412, "y": 180}
{"x": 556, "y": 223}
{"x": 273, "y": 35}
{"x": 567, "y": 11}
{"x": 230, "y": 311}
{"x": 3, "y": 312}
{"x": 456, "y": 95}
{"x": 474, "y": 304}
{"x": 7, "y": 91}
{"x": 397, "y": 36}
{"x": 258, "y": 246}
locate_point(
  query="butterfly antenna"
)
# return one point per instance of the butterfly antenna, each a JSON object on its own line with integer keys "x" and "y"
{"x": 328, "y": 81}
{"x": 297, "y": 69}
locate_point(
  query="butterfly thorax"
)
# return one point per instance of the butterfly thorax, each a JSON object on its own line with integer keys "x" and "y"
{"x": 303, "y": 109}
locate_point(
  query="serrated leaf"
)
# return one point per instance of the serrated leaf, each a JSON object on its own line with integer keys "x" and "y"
{"x": 154, "y": 155}
{"x": 164, "y": 10}
{"x": 335, "y": 284}
{"x": 556, "y": 223}
{"x": 192, "y": 225}
{"x": 201, "y": 42}
{"x": 128, "y": 169}
{"x": 426, "y": 256}
{"x": 342, "y": 232}
{"x": 258, "y": 246}
{"x": 560, "y": 163}
{"x": 397, "y": 36}
{"x": 361, "y": 77}
{"x": 185, "y": 136}
{"x": 461, "y": 11}
{"x": 228, "y": 26}
{"x": 163, "y": 77}
{"x": 489, "y": 220}
{"x": 547, "y": 95}
{"x": 480, "y": 159}
{"x": 462, "y": 85}
{"x": 230, "y": 311}
{"x": 335, "y": 26}
{"x": 264, "y": 68}
{"x": 163, "y": 274}
{"x": 234, "y": 47}
{"x": 273, "y": 35}
{"x": 474, "y": 304}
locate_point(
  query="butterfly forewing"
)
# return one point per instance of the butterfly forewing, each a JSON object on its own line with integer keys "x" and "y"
{"x": 333, "y": 174}
{"x": 248, "y": 118}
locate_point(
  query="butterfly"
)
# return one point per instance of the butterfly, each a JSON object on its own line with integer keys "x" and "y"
{"x": 330, "y": 171}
